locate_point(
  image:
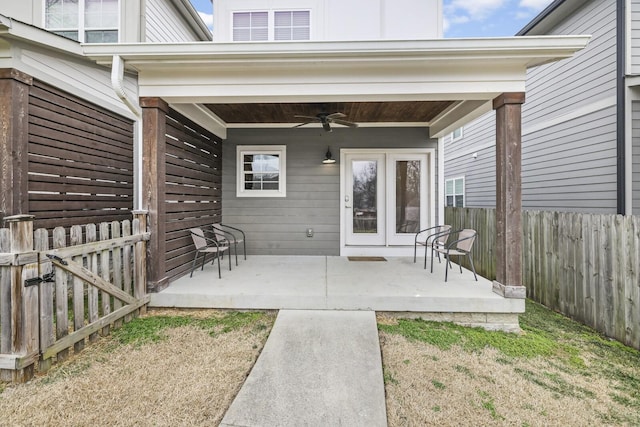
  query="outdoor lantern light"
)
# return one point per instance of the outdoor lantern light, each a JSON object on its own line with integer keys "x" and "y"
{"x": 328, "y": 158}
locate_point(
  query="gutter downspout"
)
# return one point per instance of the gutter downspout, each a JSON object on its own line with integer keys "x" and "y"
{"x": 117, "y": 82}
{"x": 621, "y": 31}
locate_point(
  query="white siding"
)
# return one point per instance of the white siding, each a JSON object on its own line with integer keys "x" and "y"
{"x": 346, "y": 20}
{"x": 276, "y": 226}
{"x": 81, "y": 78}
{"x": 165, "y": 24}
{"x": 634, "y": 31}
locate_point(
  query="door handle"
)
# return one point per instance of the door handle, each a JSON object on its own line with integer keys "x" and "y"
{"x": 347, "y": 207}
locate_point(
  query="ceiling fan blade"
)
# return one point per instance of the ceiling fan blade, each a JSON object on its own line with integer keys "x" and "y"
{"x": 310, "y": 118}
{"x": 345, "y": 123}
{"x": 302, "y": 124}
{"x": 326, "y": 126}
{"x": 336, "y": 116}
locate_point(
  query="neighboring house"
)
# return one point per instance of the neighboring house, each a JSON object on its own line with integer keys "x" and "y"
{"x": 580, "y": 121}
{"x": 197, "y": 132}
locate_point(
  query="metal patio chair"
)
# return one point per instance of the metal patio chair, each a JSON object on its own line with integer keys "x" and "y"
{"x": 460, "y": 246}
{"x": 225, "y": 235}
{"x": 205, "y": 245}
{"x": 439, "y": 233}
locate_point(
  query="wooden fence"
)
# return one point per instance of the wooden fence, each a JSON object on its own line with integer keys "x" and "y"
{"x": 584, "y": 266}
{"x": 58, "y": 290}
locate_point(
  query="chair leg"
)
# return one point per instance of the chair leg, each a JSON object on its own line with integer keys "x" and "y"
{"x": 425, "y": 257}
{"x": 219, "y": 272}
{"x": 230, "y": 258}
{"x": 415, "y": 249}
{"x": 473, "y": 268}
{"x": 459, "y": 264}
{"x": 193, "y": 264}
{"x": 446, "y": 268}
{"x": 204, "y": 259}
{"x": 244, "y": 248}
{"x": 235, "y": 244}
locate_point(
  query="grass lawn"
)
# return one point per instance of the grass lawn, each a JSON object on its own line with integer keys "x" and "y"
{"x": 173, "y": 368}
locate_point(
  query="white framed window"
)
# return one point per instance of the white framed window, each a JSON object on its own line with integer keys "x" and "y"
{"x": 271, "y": 25}
{"x": 457, "y": 134}
{"x": 86, "y": 21}
{"x": 454, "y": 192}
{"x": 292, "y": 25}
{"x": 250, "y": 26}
{"x": 261, "y": 170}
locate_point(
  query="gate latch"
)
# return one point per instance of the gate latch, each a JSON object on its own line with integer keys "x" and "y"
{"x": 49, "y": 277}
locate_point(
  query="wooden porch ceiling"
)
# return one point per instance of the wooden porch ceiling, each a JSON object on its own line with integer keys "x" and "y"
{"x": 360, "y": 112}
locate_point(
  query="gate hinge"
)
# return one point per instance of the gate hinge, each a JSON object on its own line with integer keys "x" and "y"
{"x": 57, "y": 258}
{"x": 49, "y": 277}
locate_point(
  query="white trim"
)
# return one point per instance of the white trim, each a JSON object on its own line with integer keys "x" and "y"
{"x": 281, "y": 150}
{"x": 441, "y": 198}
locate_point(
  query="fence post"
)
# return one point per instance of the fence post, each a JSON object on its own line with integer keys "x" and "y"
{"x": 24, "y": 341}
{"x": 140, "y": 257}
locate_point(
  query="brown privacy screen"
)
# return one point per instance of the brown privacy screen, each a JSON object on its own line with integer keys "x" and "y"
{"x": 193, "y": 188}
{"x": 80, "y": 160}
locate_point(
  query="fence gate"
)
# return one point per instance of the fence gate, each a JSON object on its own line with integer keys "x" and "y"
{"x": 52, "y": 299}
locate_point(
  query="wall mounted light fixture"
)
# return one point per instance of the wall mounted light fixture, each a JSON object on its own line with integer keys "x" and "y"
{"x": 328, "y": 158}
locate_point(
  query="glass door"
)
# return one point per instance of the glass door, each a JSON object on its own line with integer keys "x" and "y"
{"x": 407, "y": 207}
{"x": 365, "y": 199}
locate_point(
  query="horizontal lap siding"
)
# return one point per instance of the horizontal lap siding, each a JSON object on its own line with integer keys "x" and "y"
{"x": 568, "y": 126}
{"x": 636, "y": 158}
{"x": 635, "y": 36}
{"x": 480, "y": 172}
{"x": 277, "y": 226}
{"x": 80, "y": 160}
{"x": 192, "y": 188}
{"x": 165, "y": 24}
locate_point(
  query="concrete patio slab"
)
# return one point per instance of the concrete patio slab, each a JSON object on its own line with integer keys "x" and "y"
{"x": 318, "y": 368}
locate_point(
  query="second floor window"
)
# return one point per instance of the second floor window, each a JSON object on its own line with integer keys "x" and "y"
{"x": 87, "y": 21}
{"x": 271, "y": 25}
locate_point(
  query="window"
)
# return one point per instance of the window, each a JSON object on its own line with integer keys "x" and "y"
{"x": 261, "y": 171}
{"x": 456, "y": 134}
{"x": 250, "y": 26}
{"x": 454, "y": 192}
{"x": 87, "y": 21}
{"x": 271, "y": 25}
{"x": 292, "y": 25}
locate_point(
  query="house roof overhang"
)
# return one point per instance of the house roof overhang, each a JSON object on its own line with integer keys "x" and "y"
{"x": 468, "y": 73}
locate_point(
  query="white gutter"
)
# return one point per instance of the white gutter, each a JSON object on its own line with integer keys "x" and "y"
{"x": 117, "y": 82}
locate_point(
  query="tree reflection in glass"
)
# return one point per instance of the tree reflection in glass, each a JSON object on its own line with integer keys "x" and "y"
{"x": 407, "y": 196}
{"x": 365, "y": 204}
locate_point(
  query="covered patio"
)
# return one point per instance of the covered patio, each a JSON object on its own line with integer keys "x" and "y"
{"x": 396, "y": 284}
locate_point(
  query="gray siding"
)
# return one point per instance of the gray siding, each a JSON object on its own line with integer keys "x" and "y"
{"x": 568, "y": 124}
{"x": 636, "y": 158}
{"x": 276, "y": 226}
{"x": 165, "y": 24}
{"x": 479, "y": 172}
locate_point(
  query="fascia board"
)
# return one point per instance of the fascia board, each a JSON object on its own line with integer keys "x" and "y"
{"x": 16, "y": 30}
{"x": 528, "y": 51}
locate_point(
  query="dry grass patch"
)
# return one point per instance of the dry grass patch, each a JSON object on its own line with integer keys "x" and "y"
{"x": 186, "y": 372}
{"x": 556, "y": 373}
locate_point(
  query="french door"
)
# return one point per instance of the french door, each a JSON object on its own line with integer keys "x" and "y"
{"x": 386, "y": 196}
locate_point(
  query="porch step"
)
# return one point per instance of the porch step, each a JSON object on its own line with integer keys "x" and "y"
{"x": 318, "y": 367}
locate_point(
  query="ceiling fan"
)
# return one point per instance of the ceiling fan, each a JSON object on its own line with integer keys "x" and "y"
{"x": 326, "y": 119}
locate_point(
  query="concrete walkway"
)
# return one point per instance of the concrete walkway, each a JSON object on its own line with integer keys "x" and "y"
{"x": 318, "y": 368}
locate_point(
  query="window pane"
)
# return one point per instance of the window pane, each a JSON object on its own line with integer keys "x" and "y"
{"x": 101, "y": 13}
{"x": 242, "y": 20}
{"x": 61, "y": 14}
{"x": 259, "y": 19}
{"x": 300, "y": 34}
{"x": 242, "y": 35}
{"x": 282, "y": 19}
{"x": 282, "y": 34}
{"x": 73, "y": 35}
{"x": 107, "y": 36}
{"x": 259, "y": 34}
{"x": 407, "y": 196}
{"x": 365, "y": 204}
{"x": 459, "y": 186}
{"x": 449, "y": 186}
{"x": 301, "y": 19}
{"x": 449, "y": 201}
{"x": 460, "y": 201}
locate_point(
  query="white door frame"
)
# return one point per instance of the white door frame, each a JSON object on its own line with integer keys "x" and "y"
{"x": 386, "y": 250}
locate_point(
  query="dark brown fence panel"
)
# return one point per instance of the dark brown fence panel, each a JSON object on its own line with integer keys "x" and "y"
{"x": 80, "y": 160}
{"x": 193, "y": 188}
{"x": 584, "y": 266}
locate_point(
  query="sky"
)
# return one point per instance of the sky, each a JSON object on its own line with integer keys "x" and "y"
{"x": 462, "y": 18}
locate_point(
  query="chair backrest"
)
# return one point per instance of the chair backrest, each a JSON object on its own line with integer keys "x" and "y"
{"x": 218, "y": 233}
{"x": 469, "y": 237}
{"x": 198, "y": 238}
{"x": 444, "y": 231}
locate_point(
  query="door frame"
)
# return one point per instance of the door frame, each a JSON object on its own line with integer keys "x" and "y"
{"x": 386, "y": 249}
